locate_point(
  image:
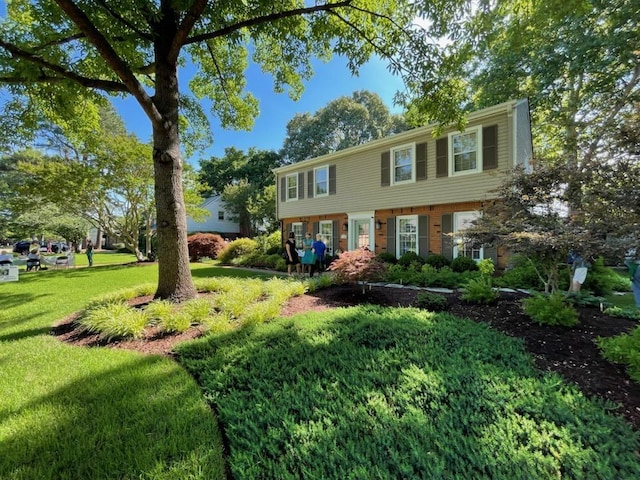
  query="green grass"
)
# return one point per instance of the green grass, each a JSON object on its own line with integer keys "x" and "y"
{"x": 372, "y": 392}
{"x": 78, "y": 413}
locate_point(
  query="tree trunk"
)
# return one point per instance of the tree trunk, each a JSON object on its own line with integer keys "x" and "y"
{"x": 174, "y": 274}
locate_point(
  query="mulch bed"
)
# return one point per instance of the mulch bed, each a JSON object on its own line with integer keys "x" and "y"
{"x": 571, "y": 352}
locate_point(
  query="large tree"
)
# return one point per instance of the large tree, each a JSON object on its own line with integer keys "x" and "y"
{"x": 578, "y": 63}
{"x": 344, "y": 122}
{"x": 56, "y": 54}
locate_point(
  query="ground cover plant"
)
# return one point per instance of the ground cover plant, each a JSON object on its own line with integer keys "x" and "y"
{"x": 399, "y": 393}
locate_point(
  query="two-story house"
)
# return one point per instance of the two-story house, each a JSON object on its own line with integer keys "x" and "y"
{"x": 410, "y": 191}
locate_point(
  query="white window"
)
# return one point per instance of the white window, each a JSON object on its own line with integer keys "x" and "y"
{"x": 465, "y": 152}
{"x": 403, "y": 167}
{"x": 406, "y": 234}
{"x": 321, "y": 181}
{"x": 326, "y": 230}
{"x": 292, "y": 187}
{"x": 297, "y": 229}
{"x": 463, "y": 246}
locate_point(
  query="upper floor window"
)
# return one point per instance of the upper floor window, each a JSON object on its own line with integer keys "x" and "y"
{"x": 403, "y": 164}
{"x": 465, "y": 152}
{"x": 292, "y": 186}
{"x": 321, "y": 181}
{"x": 220, "y": 215}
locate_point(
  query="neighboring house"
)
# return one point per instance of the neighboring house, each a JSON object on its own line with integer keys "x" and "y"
{"x": 409, "y": 191}
{"x": 217, "y": 222}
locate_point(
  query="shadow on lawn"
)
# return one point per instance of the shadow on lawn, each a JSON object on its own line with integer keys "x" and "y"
{"x": 402, "y": 393}
{"x": 136, "y": 420}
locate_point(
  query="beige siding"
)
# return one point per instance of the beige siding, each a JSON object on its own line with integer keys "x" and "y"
{"x": 358, "y": 177}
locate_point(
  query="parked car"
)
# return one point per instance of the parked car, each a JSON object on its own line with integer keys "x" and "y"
{"x": 22, "y": 247}
{"x": 57, "y": 247}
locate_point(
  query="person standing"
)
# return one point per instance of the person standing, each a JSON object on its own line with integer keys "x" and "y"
{"x": 89, "y": 252}
{"x": 319, "y": 249}
{"x": 579, "y": 267}
{"x": 292, "y": 253}
{"x": 308, "y": 258}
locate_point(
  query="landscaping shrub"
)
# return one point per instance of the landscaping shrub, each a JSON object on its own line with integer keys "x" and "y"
{"x": 600, "y": 279}
{"x": 238, "y": 248}
{"x": 431, "y": 301}
{"x": 437, "y": 261}
{"x": 624, "y": 349}
{"x": 550, "y": 310}
{"x": 269, "y": 244}
{"x": 480, "y": 290}
{"x": 387, "y": 257}
{"x": 411, "y": 259}
{"x": 357, "y": 266}
{"x": 204, "y": 245}
{"x": 520, "y": 273}
{"x": 463, "y": 264}
{"x": 630, "y": 313}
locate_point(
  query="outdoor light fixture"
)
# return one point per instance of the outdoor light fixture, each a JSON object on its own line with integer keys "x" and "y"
{"x": 345, "y": 226}
{"x": 378, "y": 224}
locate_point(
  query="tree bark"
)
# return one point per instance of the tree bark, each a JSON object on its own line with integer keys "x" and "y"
{"x": 174, "y": 274}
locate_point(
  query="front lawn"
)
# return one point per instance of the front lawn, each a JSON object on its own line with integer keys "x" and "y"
{"x": 78, "y": 413}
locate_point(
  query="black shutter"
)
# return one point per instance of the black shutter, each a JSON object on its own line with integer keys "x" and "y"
{"x": 391, "y": 235}
{"x": 491, "y": 252}
{"x": 310, "y": 184}
{"x": 446, "y": 228}
{"x": 335, "y": 239}
{"x": 421, "y": 161}
{"x": 442, "y": 157}
{"x": 304, "y": 229}
{"x": 283, "y": 189}
{"x": 315, "y": 228}
{"x": 423, "y": 235}
{"x": 490, "y": 147}
{"x": 385, "y": 169}
{"x": 332, "y": 179}
{"x": 301, "y": 185}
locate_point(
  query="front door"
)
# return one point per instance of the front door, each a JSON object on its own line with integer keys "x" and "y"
{"x": 360, "y": 233}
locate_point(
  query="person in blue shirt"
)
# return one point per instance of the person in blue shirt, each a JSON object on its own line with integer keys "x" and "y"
{"x": 319, "y": 248}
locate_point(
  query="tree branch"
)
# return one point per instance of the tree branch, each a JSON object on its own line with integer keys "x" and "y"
{"x": 124, "y": 21}
{"x": 106, "y": 85}
{"x": 192, "y": 16}
{"x": 111, "y": 57}
{"x": 265, "y": 19}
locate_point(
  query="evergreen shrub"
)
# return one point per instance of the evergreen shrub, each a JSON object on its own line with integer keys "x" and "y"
{"x": 411, "y": 259}
{"x": 431, "y": 301}
{"x": 550, "y": 310}
{"x": 463, "y": 264}
{"x": 437, "y": 261}
{"x": 623, "y": 349}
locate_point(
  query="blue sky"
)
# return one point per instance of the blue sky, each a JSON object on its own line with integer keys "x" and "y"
{"x": 331, "y": 80}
